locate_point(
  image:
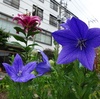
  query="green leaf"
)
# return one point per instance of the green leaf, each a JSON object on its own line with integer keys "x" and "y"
{"x": 19, "y": 38}
{"x": 35, "y": 44}
{"x": 31, "y": 33}
{"x": 71, "y": 95}
{"x": 27, "y": 49}
{"x": 16, "y": 44}
{"x": 18, "y": 29}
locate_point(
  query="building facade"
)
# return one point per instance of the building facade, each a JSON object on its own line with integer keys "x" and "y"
{"x": 47, "y": 10}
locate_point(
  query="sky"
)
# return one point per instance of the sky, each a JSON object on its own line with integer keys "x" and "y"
{"x": 86, "y": 10}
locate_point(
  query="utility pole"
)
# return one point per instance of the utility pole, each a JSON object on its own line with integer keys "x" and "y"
{"x": 63, "y": 14}
{"x": 59, "y": 16}
{"x": 62, "y": 7}
{"x": 59, "y": 22}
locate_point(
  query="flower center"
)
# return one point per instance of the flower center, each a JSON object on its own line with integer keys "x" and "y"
{"x": 19, "y": 73}
{"x": 81, "y": 43}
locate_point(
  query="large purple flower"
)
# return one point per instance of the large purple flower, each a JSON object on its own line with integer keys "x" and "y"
{"x": 44, "y": 66}
{"x": 18, "y": 72}
{"x": 78, "y": 42}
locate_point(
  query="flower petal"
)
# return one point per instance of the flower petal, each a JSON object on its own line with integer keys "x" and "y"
{"x": 28, "y": 77}
{"x": 93, "y": 37}
{"x": 35, "y": 19}
{"x": 9, "y": 69}
{"x": 44, "y": 66}
{"x": 29, "y": 67}
{"x": 86, "y": 57}
{"x": 17, "y": 63}
{"x": 68, "y": 54}
{"x": 24, "y": 78}
{"x": 44, "y": 57}
{"x": 78, "y": 27}
{"x": 17, "y": 18}
{"x": 64, "y": 37}
{"x": 20, "y": 21}
{"x": 65, "y": 25}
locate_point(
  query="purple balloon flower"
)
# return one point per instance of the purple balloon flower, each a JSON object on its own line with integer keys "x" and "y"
{"x": 44, "y": 66}
{"x": 78, "y": 42}
{"x": 18, "y": 72}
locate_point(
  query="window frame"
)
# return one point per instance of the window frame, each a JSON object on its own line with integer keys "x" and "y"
{"x": 53, "y": 5}
{"x": 37, "y": 11}
{"x": 9, "y": 19}
{"x": 41, "y": 1}
{"x": 52, "y": 20}
{"x": 12, "y": 3}
{"x": 46, "y": 33}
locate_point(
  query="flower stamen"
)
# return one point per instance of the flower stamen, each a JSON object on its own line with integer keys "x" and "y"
{"x": 81, "y": 43}
{"x": 19, "y": 73}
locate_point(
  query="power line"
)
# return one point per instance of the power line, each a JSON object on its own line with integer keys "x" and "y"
{"x": 77, "y": 9}
{"x": 91, "y": 17}
{"x": 87, "y": 15}
{"x": 89, "y": 11}
{"x": 80, "y": 7}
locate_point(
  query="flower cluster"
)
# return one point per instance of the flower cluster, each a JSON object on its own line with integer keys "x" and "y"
{"x": 20, "y": 73}
{"x": 78, "y": 42}
{"x": 28, "y": 22}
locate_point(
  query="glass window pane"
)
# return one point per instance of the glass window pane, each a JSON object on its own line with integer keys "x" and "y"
{"x": 43, "y": 38}
{"x": 48, "y": 39}
{"x": 14, "y": 3}
{"x": 53, "y": 5}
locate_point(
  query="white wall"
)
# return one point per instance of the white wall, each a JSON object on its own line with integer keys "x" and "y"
{"x": 27, "y": 4}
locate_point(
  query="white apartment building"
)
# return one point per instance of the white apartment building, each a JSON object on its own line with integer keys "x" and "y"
{"x": 48, "y": 10}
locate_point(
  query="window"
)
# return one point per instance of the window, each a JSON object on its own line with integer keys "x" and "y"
{"x": 53, "y": 5}
{"x": 7, "y": 23}
{"x": 14, "y": 3}
{"x": 42, "y": 1}
{"x": 37, "y": 11}
{"x": 53, "y": 20}
{"x": 44, "y": 37}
